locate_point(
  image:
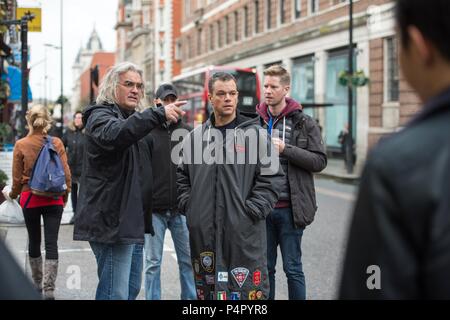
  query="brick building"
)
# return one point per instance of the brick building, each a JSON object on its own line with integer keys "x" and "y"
{"x": 104, "y": 60}
{"x": 88, "y": 57}
{"x": 310, "y": 38}
{"x": 146, "y": 33}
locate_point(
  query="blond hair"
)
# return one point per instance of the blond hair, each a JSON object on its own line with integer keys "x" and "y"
{"x": 38, "y": 118}
{"x": 278, "y": 71}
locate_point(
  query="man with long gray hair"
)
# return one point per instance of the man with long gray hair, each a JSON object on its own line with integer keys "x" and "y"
{"x": 111, "y": 207}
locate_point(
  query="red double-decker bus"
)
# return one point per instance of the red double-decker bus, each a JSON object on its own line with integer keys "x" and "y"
{"x": 193, "y": 87}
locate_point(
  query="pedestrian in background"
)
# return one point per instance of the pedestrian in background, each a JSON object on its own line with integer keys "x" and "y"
{"x": 165, "y": 206}
{"x": 73, "y": 140}
{"x": 302, "y": 153}
{"x": 25, "y": 154}
{"x": 399, "y": 242}
{"x": 226, "y": 204}
{"x": 110, "y": 213}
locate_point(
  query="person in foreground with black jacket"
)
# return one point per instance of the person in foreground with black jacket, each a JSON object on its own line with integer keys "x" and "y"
{"x": 110, "y": 206}
{"x": 165, "y": 205}
{"x": 228, "y": 182}
{"x": 399, "y": 243}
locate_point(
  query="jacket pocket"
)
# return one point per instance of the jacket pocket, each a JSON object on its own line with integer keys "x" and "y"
{"x": 302, "y": 142}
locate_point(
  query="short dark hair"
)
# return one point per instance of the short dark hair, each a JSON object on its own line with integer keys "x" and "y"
{"x": 278, "y": 71}
{"x": 220, "y": 76}
{"x": 432, "y": 18}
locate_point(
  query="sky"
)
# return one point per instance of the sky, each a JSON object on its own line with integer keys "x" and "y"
{"x": 79, "y": 19}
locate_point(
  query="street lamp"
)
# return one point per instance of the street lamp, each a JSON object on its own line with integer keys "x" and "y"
{"x": 61, "y": 47}
{"x": 349, "y": 146}
{"x": 47, "y": 45}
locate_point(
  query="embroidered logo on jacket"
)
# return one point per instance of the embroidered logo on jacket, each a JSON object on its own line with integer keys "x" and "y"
{"x": 207, "y": 261}
{"x": 240, "y": 275}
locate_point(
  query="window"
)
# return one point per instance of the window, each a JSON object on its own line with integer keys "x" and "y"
{"x": 211, "y": 37}
{"x": 161, "y": 17}
{"x": 199, "y": 42}
{"x": 282, "y": 8}
{"x": 161, "y": 48}
{"x": 219, "y": 35}
{"x": 297, "y": 8}
{"x": 225, "y": 31}
{"x": 268, "y": 14}
{"x": 236, "y": 26}
{"x": 178, "y": 50}
{"x": 392, "y": 77}
{"x": 189, "y": 48}
{"x": 314, "y": 5}
{"x": 187, "y": 8}
{"x": 302, "y": 88}
{"x": 256, "y": 16}
{"x": 246, "y": 29}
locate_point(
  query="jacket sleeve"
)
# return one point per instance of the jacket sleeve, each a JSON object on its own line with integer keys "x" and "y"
{"x": 183, "y": 180}
{"x": 311, "y": 158}
{"x": 112, "y": 133}
{"x": 17, "y": 171}
{"x": 267, "y": 183}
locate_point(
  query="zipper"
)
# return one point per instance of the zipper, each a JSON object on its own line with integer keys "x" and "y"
{"x": 170, "y": 168}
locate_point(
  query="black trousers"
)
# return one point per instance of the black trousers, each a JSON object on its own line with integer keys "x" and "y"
{"x": 74, "y": 196}
{"x": 52, "y": 220}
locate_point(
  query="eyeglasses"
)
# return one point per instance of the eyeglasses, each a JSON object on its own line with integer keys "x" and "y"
{"x": 130, "y": 84}
{"x": 223, "y": 94}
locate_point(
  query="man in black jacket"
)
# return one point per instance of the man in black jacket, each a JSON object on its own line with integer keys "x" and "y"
{"x": 299, "y": 142}
{"x": 73, "y": 140}
{"x": 228, "y": 183}
{"x": 399, "y": 243}
{"x": 165, "y": 205}
{"x": 111, "y": 206}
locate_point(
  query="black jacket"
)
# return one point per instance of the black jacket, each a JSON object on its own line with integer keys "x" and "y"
{"x": 165, "y": 179}
{"x": 401, "y": 222}
{"x": 226, "y": 206}
{"x": 73, "y": 140}
{"x": 306, "y": 155}
{"x": 111, "y": 208}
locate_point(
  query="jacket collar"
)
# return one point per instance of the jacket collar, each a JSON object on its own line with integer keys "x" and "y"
{"x": 291, "y": 106}
{"x": 437, "y": 104}
{"x": 240, "y": 119}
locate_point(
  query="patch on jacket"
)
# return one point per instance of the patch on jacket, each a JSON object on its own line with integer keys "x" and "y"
{"x": 207, "y": 261}
{"x": 240, "y": 275}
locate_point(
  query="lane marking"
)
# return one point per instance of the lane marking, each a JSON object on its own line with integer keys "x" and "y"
{"x": 336, "y": 194}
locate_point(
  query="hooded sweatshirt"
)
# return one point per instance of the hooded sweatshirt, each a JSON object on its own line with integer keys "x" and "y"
{"x": 283, "y": 124}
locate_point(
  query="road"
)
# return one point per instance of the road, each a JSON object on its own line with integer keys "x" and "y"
{"x": 323, "y": 247}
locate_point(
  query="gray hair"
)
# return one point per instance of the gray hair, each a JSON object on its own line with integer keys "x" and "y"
{"x": 108, "y": 86}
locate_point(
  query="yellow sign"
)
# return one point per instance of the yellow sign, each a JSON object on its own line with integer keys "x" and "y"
{"x": 35, "y": 24}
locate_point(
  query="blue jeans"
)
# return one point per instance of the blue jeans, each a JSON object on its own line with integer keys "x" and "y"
{"x": 154, "y": 251}
{"x": 114, "y": 269}
{"x": 281, "y": 231}
{"x": 137, "y": 265}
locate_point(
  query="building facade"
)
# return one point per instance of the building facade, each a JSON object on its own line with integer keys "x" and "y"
{"x": 88, "y": 57}
{"x": 146, "y": 35}
{"x": 310, "y": 38}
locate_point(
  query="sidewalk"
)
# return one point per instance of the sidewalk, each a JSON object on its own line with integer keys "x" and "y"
{"x": 336, "y": 169}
